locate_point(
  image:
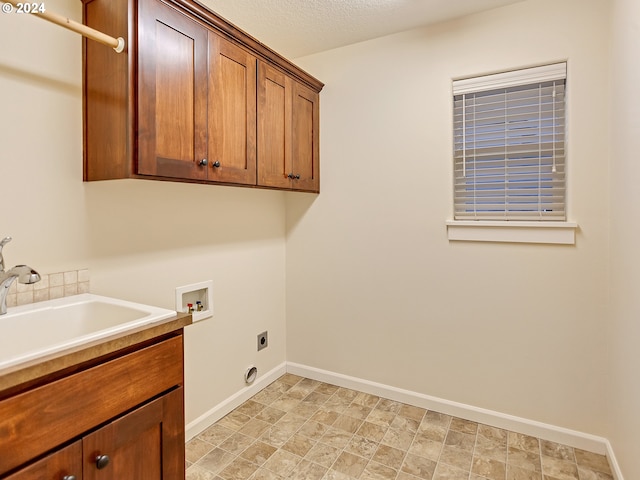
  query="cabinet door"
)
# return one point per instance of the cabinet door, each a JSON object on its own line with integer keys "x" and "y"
{"x": 65, "y": 464}
{"x": 172, "y": 93}
{"x": 274, "y": 127}
{"x": 288, "y": 132}
{"x": 232, "y": 112}
{"x": 147, "y": 443}
{"x": 306, "y": 139}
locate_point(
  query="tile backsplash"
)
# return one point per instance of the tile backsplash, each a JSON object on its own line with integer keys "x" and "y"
{"x": 50, "y": 287}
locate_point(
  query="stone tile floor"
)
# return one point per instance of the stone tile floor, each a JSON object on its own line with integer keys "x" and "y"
{"x": 297, "y": 428}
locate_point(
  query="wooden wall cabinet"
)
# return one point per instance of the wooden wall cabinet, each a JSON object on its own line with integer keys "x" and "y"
{"x": 232, "y": 112}
{"x": 195, "y": 99}
{"x": 172, "y": 94}
{"x": 288, "y": 117}
{"x": 121, "y": 417}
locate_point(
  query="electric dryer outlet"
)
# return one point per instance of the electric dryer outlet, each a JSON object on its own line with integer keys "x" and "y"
{"x": 263, "y": 341}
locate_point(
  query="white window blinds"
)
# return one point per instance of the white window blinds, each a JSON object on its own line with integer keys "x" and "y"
{"x": 509, "y": 145}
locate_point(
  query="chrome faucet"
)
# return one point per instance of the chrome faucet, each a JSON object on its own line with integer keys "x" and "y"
{"x": 23, "y": 273}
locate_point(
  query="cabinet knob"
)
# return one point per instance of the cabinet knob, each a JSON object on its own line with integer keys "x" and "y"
{"x": 291, "y": 176}
{"x": 294, "y": 177}
{"x": 216, "y": 164}
{"x": 297, "y": 177}
{"x": 102, "y": 461}
{"x": 69, "y": 477}
{"x": 203, "y": 162}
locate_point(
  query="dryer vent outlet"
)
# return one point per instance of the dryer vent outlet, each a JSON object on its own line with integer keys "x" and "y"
{"x": 263, "y": 340}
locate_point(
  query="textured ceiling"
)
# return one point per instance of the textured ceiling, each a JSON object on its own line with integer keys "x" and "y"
{"x": 295, "y": 28}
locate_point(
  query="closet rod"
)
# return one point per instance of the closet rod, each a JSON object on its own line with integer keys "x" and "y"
{"x": 117, "y": 44}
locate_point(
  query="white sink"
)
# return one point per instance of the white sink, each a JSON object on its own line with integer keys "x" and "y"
{"x": 40, "y": 329}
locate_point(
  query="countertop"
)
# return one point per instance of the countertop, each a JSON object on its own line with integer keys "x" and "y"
{"x": 32, "y": 370}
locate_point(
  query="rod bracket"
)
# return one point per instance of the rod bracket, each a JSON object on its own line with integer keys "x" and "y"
{"x": 121, "y": 44}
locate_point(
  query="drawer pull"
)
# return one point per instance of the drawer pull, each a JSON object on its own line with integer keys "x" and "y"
{"x": 102, "y": 461}
{"x": 69, "y": 477}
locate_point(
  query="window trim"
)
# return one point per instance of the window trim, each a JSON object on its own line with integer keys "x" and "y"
{"x": 523, "y": 76}
{"x": 546, "y": 232}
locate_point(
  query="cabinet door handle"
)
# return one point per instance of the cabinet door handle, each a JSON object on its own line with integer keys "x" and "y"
{"x": 102, "y": 461}
{"x": 203, "y": 162}
{"x": 69, "y": 477}
{"x": 216, "y": 164}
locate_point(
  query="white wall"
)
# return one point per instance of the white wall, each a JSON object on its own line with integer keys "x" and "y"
{"x": 624, "y": 388}
{"x": 139, "y": 239}
{"x": 375, "y": 290}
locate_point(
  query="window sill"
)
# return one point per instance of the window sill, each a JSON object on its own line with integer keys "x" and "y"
{"x": 563, "y": 233}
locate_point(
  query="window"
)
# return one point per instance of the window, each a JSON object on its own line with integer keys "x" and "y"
{"x": 509, "y": 145}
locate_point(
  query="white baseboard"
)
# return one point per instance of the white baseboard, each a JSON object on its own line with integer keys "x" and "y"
{"x": 573, "y": 438}
{"x": 216, "y": 413}
{"x": 545, "y": 431}
{"x": 613, "y": 462}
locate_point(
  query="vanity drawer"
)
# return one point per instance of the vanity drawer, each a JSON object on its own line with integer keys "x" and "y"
{"x": 45, "y": 417}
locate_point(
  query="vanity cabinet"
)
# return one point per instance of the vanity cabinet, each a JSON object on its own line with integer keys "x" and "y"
{"x": 146, "y": 443}
{"x": 120, "y": 416}
{"x": 64, "y": 464}
{"x": 194, "y": 99}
